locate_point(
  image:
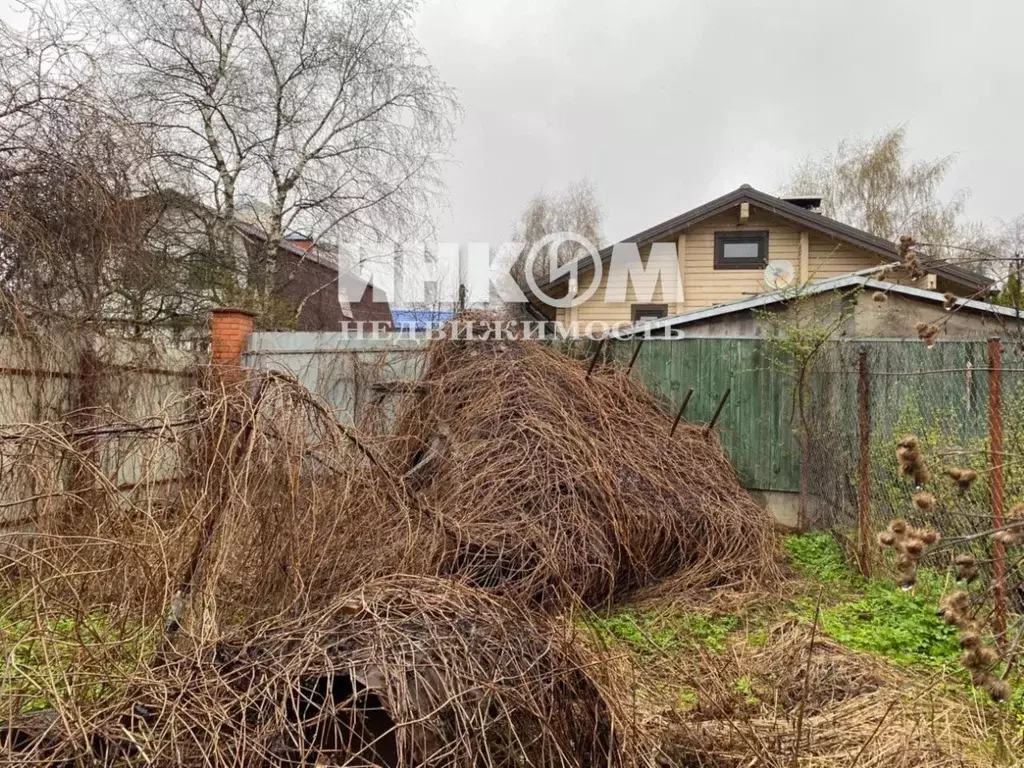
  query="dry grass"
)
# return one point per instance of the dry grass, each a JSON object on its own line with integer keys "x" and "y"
{"x": 753, "y": 703}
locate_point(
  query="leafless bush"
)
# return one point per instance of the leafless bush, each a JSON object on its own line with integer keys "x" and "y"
{"x": 400, "y": 671}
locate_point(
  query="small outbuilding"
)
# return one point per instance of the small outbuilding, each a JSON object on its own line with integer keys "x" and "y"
{"x": 859, "y": 305}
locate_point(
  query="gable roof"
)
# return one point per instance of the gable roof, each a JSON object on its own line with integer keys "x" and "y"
{"x": 864, "y": 279}
{"x": 311, "y": 252}
{"x": 776, "y": 206}
{"x": 318, "y": 264}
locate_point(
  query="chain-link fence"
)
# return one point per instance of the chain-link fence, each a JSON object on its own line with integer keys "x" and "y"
{"x": 864, "y": 398}
{"x": 963, "y": 401}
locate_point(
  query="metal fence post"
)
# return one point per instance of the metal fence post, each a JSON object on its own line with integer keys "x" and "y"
{"x": 995, "y": 449}
{"x": 805, "y": 457}
{"x": 864, "y": 476}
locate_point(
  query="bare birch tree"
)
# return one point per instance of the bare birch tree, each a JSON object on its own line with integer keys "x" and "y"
{"x": 574, "y": 209}
{"x": 875, "y": 186}
{"x": 42, "y": 68}
{"x": 80, "y": 240}
{"x": 298, "y": 114}
{"x": 77, "y": 243}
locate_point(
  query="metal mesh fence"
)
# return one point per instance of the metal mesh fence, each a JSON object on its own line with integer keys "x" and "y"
{"x": 941, "y": 396}
{"x": 964, "y": 402}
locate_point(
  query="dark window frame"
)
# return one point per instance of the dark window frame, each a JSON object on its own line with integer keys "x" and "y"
{"x": 645, "y": 309}
{"x": 759, "y": 236}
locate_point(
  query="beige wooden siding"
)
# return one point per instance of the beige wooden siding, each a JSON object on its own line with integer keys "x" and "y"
{"x": 832, "y": 258}
{"x": 597, "y": 310}
{"x": 707, "y": 286}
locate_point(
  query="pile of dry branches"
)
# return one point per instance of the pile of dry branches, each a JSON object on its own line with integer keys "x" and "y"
{"x": 274, "y": 588}
{"x": 402, "y": 671}
{"x": 551, "y": 482}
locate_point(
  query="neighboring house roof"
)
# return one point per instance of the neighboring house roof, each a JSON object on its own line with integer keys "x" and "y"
{"x": 314, "y": 275}
{"x": 303, "y": 249}
{"x": 797, "y": 215}
{"x": 862, "y": 279}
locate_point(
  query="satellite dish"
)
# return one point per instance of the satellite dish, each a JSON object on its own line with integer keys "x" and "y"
{"x": 779, "y": 275}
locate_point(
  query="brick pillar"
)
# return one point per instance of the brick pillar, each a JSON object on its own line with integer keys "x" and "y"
{"x": 229, "y": 332}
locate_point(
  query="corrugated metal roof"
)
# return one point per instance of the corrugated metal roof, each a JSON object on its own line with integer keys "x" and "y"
{"x": 862, "y": 278}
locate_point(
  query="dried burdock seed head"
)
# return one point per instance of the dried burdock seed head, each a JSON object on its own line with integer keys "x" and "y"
{"x": 913, "y": 547}
{"x": 880, "y": 297}
{"x": 970, "y": 639}
{"x": 909, "y": 442}
{"x": 906, "y": 243}
{"x": 898, "y": 526}
{"x": 921, "y": 474}
{"x": 906, "y": 458}
{"x": 1017, "y": 510}
{"x": 927, "y": 332}
{"x": 952, "y": 616}
{"x": 965, "y": 560}
{"x": 987, "y": 657}
{"x": 962, "y": 477}
{"x": 971, "y": 660}
{"x": 968, "y": 573}
{"x": 886, "y": 539}
{"x": 911, "y": 463}
{"x": 1006, "y": 537}
{"x": 905, "y": 561}
{"x": 924, "y": 500}
{"x": 980, "y": 658}
{"x": 949, "y": 301}
{"x": 929, "y": 537}
{"x": 998, "y": 688}
{"x": 959, "y": 601}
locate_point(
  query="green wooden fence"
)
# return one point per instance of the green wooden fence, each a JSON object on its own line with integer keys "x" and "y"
{"x": 756, "y": 424}
{"x": 913, "y": 388}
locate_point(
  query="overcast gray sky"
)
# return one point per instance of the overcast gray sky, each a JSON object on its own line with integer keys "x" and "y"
{"x": 665, "y": 105}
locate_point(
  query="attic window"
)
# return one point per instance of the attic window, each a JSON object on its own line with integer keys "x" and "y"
{"x": 745, "y": 249}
